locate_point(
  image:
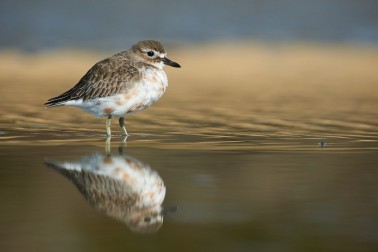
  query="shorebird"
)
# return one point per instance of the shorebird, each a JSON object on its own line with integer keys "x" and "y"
{"x": 121, "y": 85}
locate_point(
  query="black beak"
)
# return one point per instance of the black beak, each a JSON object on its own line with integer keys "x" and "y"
{"x": 170, "y": 62}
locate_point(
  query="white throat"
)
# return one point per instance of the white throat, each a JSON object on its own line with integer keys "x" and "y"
{"x": 159, "y": 65}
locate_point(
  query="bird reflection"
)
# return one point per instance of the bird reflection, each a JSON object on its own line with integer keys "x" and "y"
{"x": 120, "y": 186}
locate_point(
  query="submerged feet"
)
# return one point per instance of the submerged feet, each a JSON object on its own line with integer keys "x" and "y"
{"x": 121, "y": 147}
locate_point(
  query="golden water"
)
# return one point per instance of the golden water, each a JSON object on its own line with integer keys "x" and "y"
{"x": 235, "y": 140}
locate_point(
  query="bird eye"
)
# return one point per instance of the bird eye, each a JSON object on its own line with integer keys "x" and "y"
{"x": 147, "y": 219}
{"x": 150, "y": 53}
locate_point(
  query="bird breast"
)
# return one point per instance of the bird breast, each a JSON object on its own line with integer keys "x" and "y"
{"x": 147, "y": 90}
{"x": 154, "y": 82}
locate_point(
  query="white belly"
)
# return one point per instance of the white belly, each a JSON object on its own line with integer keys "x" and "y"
{"x": 144, "y": 93}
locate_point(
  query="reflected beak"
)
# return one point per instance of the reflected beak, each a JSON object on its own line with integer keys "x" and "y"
{"x": 170, "y": 62}
{"x": 169, "y": 210}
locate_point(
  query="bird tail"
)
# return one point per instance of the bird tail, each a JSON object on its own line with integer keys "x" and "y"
{"x": 62, "y": 167}
{"x": 59, "y": 100}
{"x": 53, "y": 105}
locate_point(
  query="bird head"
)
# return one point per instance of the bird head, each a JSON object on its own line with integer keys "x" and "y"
{"x": 152, "y": 52}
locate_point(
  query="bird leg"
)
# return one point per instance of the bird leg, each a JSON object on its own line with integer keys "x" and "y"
{"x": 107, "y": 146}
{"x": 122, "y": 125}
{"x": 108, "y": 124}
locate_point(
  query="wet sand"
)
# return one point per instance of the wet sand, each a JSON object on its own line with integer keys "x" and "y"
{"x": 292, "y": 90}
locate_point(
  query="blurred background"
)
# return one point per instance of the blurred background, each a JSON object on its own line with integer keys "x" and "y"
{"x": 113, "y": 25}
{"x": 235, "y": 138}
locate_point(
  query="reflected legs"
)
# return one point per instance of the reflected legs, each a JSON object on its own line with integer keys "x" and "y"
{"x": 109, "y": 133}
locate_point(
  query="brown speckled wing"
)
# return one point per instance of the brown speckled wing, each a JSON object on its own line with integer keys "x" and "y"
{"x": 99, "y": 190}
{"x": 108, "y": 77}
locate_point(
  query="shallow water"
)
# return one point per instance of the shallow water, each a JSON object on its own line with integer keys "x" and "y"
{"x": 291, "y": 170}
{"x": 232, "y": 199}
